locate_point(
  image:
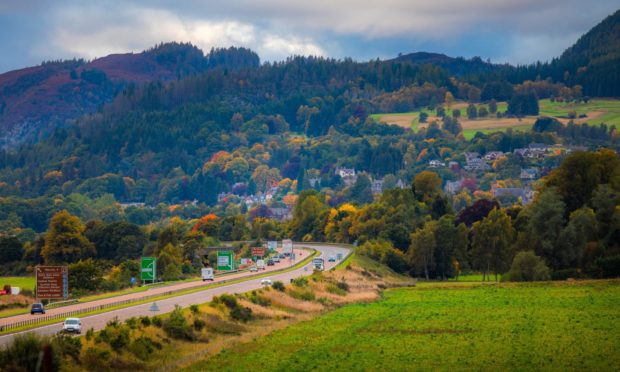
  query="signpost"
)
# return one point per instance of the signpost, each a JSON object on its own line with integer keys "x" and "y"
{"x": 52, "y": 282}
{"x": 148, "y": 269}
{"x": 258, "y": 251}
{"x": 225, "y": 260}
{"x": 272, "y": 245}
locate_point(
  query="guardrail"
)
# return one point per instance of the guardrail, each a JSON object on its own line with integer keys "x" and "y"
{"x": 47, "y": 318}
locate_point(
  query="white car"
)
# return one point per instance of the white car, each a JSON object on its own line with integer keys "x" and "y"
{"x": 72, "y": 325}
{"x": 253, "y": 269}
{"x": 266, "y": 281}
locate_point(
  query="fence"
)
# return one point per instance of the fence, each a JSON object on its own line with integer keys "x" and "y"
{"x": 47, "y": 318}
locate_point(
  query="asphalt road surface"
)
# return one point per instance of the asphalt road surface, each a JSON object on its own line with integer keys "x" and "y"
{"x": 99, "y": 321}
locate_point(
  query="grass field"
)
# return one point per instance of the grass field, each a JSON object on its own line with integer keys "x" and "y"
{"x": 597, "y": 111}
{"x": 24, "y": 282}
{"x": 450, "y": 326}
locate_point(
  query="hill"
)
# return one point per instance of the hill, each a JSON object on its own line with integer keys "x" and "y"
{"x": 458, "y": 66}
{"x": 37, "y": 99}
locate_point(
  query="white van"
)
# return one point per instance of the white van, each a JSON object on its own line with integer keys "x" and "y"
{"x": 207, "y": 274}
{"x": 260, "y": 264}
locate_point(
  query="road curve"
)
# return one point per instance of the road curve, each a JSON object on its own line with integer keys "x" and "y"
{"x": 99, "y": 321}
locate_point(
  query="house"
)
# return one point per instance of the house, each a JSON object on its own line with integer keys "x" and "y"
{"x": 436, "y": 164}
{"x": 470, "y": 156}
{"x": 377, "y": 186}
{"x": 400, "y": 184}
{"x": 345, "y": 172}
{"x": 525, "y": 195}
{"x": 477, "y": 164}
{"x": 314, "y": 181}
{"x": 529, "y": 174}
{"x": 454, "y": 166}
{"x": 281, "y": 214}
{"x": 452, "y": 187}
{"x": 493, "y": 155}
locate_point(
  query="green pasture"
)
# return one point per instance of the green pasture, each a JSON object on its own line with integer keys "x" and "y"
{"x": 450, "y": 326}
{"x": 23, "y": 282}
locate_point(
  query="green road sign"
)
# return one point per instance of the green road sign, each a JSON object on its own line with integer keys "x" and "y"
{"x": 148, "y": 267}
{"x": 225, "y": 260}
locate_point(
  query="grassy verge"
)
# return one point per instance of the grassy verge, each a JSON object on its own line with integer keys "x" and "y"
{"x": 540, "y": 326}
{"x": 162, "y": 297}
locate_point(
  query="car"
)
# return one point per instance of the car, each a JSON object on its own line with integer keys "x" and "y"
{"x": 266, "y": 281}
{"x": 331, "y": 259}
{"x": 270, "y": 263}
{"x": 276, "y": 259}
{"x": 253, "y": 269}
{"x": 282, "y": 256}
{"x": 37, "y": 307}
{"x": 73, "y": 325}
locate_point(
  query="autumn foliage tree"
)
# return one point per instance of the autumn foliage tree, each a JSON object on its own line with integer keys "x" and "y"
{"x": 65, "y": 241}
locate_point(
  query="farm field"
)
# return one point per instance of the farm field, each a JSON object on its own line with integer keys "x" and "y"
{"x": 24, "y": 282}
{"x": 597, "y": 111}
{"x": 450, "y": 326}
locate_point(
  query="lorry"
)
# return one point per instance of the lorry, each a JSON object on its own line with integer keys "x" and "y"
{"x": 260, "y": 264}
{"x": 207, "y": 274}
{"x": 287, "y": 247}
{"x": 318, "y": 263}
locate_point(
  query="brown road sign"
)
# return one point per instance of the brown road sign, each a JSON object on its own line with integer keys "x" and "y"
{"x": 52, "y": 282}
{"x": 258, "y": 251}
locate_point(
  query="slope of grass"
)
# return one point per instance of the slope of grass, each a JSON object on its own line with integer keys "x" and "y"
{"x": 541, "y": 326}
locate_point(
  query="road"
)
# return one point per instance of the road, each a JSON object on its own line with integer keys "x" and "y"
{"x": 99, "y": 321}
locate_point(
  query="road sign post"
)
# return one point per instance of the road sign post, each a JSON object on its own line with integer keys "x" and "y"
{"x": 52, "y": 282}
{"x": 225, "y": 261}
{"x": 148, "y": 269}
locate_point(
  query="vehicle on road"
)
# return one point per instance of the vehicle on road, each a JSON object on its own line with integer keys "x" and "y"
{"x": 339, "y": 256}
{"x": 260, "y": 264}
{"x": 287, "y": 247}
{"x": 331, "y": 259}
{"x": 282, "y": 256}
{"x": 37, "y": 308}
{"x": 253, "y": 269}
{"x": 266, "y": 281}
{"x": 270, "y": 262}
{"x": 319, "y": 263}
{"x": 207, "y": 274}
{"x": 73, "y": 325}
{"x": 276, "y": 259}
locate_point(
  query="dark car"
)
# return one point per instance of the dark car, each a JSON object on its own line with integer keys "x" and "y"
{"x": 270, "y": 263}
{"x": 37, "y": 308}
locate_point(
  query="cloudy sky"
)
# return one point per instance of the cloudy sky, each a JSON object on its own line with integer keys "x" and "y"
{"x": 515, "y": 31}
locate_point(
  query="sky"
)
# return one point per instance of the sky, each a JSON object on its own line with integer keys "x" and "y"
{"x": 513, "y": 31}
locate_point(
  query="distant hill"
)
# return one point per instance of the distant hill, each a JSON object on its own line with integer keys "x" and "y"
{"x": 458, "y": 66}
{"x": 38, "y": 98}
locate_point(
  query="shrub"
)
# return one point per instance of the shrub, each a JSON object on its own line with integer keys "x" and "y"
{"x": 331, "y": 288}
{"x": 23, "y": 353}
{"x": 157, "y": 322}
{"x": 526, "y": 267}
{"x": 385, "y": 253}
{"x": 300, "y": 282}
{"x": 142, "y": 347}
{"x": 241, "y": 313}
{"x": 132, "y": 322}
{"x": 90, "y": 334}
{"x": 256, "y": 298}
{"x": 95, "y": 358}
{"x": 565, "y": 274}
{"x": 302, "y": 295}
{"x": 176, "y": 326}
{"x": 145, "y": 320}
{"x": 278, "y": 285}
{"x": 218, "y": 325}
{"x": 199, "y": 324}
{"x": 423, "y": 117}
{"x": 67, "y": 346}
{"x": 194, "y": 309}
{"x": 229, "y": 300}
{"x": 343, "y": 285}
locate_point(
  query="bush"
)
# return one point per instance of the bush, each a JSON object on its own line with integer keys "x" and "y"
{"x": 278, "y": 285}
{"x": 194, "y": 309}
{"x": 300, "y": 282}
{"x": 343, "y": 285}
{"x": 302, "y": 295}
{"x": 94, "y": 359}
{"x": 157, "y": 322}
{"x": 23, "y": 353}
{"x": 176, "y": 326}
{"x": 332, "y": 288}
{"x": 218, "y": 325}
{"x": 142, "y": 347}
{"x": 527, "y": 267}
{"x": 566, "y": 274}
{"x": 423, "y": 117}
{"x": 385, "y": 253}
{"x": 256, "y": 298}
{"x": 132, "y": 322}
{"x": 228, "y": 300}
{"x": 241, "y": 313}
{"x": 199, "y": 324}
{"x": 145, "y": 320}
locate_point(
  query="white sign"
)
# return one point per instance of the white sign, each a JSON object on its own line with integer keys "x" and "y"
{"x": 222, "y": 261}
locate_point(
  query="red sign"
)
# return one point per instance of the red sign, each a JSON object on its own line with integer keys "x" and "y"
{"x": 258, "y": 251}
{"x": 52, "y": 281}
